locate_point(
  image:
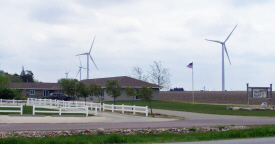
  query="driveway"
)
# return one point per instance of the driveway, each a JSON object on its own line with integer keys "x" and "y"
{"x": 109, "y": 120}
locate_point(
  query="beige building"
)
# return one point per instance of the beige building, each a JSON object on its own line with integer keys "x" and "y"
{"x": 38, "y": 90}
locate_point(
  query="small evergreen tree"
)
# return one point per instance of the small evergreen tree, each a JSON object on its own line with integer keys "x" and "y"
{"x": 131, "y": 92}
{"x": 82, "y": 90}
{"x": 96, "y": 90}
{"x": 113, "y": 89}
{"x": 146, "y": 93}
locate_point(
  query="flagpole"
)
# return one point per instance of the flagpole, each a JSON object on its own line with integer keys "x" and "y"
{"x": 193, "y": 82}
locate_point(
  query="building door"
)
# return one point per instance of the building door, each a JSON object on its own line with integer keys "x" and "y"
{"x": 45, "y": 93}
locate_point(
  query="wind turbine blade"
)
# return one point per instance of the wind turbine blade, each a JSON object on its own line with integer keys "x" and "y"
{"x": 227, "y": 53}
{"x": 77, "y": 73}
{"x": 82, "y": 54}
{"x": 214, "y": 41}
{"x": 80, "y": 62}
{"x": 92, "y": 46}
{"x": 93, "y": 62}
{"x": 230, "y": 34}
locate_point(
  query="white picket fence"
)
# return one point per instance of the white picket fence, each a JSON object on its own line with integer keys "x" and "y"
{"x": 82, "y": 109}
{"x": 12, "y": 111}
{"x": 12, "y": 102}
{"x": 123, "y": 108}
{"x": 67, "y": 105}
{"x": 33, "y": 101}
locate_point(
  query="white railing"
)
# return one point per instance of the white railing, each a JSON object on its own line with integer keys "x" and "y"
{"x": 12, "y": 102}
{"x": 13, "y": 111}
{"x": 94, "y": 107}
{"x": 123, "y": 108}
{"x": 61, "y": 109}
{"x": 32, "y": 101}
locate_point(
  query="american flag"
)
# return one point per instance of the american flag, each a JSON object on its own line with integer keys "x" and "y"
{"x": 190, "y": 65}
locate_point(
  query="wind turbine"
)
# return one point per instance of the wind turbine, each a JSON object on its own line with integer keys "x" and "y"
{"x": 89, "y": 54}
{"x": 223, "y": 49}
{"x": 80, "y": 69}
{"x": 67, "y": 73}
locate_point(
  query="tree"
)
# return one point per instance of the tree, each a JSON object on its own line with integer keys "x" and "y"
{"x": 131, "y": 91}
{"x": 58, "y": 81}
{"x": 113, "y": 89}
{"x": 160, "y": 75}
{"x": 4, "y": 82}
{"x": 1, "y": 72}
{"x": 68, "y": 86}
{"x": 137, "y": 73}
{"x": 27, "y": 75}
{"x": 82, "y": 90}
{"x": 14, "y": 78}
{"x": 96, "y": 90}
{"x": 146, "y": 93}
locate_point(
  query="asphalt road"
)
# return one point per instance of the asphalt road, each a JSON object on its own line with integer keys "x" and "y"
{"x": 116, "y": 121}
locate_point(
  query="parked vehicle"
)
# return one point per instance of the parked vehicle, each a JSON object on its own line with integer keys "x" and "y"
{"x": 59, "y": 96}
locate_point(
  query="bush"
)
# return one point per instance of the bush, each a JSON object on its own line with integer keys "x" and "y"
{"x": 11, "y": 94}
{"x": 7, "y": 94}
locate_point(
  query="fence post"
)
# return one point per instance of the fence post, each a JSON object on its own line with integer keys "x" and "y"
{"x": 103, "y": 107}
{"x": 134, "y": 109}
{"x": 59, "y": 110}
{"x": 99, "y": 106}
{"x": 146, "y": 110}
{"x": 33, "y": 109}
{"x": 86, "y": 111}
{"x": 112, "y": 107}
{"x": 21, "y": 110}
{"x": 12, "y": 101}
{"x": 122, "y": 107}
{"x": 95, "y": 110}
{"x": 1, "y": 101}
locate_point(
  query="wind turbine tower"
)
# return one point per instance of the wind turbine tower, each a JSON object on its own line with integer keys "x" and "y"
{"x": 89, "y": 55}
{"x": 79, "y": 72}
{"x": 66, "y": 74}
{"x": 223, "y": 49}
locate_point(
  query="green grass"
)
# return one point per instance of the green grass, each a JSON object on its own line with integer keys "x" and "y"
{"x": 27, "y": 110}
{"x": 260, "y": 131}
{"x": 198, "y": 108}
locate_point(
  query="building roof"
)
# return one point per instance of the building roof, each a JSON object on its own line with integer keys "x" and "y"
{"x": 44, "y": 86}
{"x": 124, "y": 81}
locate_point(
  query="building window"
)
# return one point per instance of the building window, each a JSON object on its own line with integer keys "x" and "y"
{"x": 32, "y": 92}
{"x": 45, "y": 93}
{"x": 137, "y": 97}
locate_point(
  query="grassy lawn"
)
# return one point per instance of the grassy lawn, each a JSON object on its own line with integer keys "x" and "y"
{"x": 260, "y": 131}
{"x": 27, "y": 110}
{"x": 198, "y": 108}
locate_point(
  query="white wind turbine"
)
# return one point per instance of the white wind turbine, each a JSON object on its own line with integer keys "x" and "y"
{"x": 223, "y": 49}
{"x": 79, "y": 72}
{"x": 89, "y": 54}
{"x": 67, "y": 72}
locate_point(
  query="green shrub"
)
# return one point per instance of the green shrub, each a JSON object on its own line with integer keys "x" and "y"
{"x": 7, "y": 94}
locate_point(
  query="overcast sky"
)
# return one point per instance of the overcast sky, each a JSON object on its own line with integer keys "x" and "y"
{"x": 45, "y": 36}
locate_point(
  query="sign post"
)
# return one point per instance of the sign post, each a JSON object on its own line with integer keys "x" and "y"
{"x": 25, "y": 99}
